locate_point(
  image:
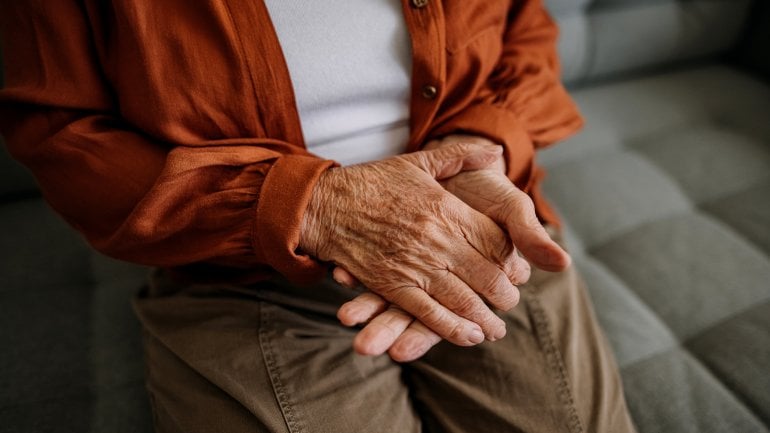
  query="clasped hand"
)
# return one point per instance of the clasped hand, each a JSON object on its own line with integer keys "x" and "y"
{"x": 432, "y": 235}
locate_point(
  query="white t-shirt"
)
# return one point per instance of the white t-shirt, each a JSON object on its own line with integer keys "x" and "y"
{"x": 350, "y": 65}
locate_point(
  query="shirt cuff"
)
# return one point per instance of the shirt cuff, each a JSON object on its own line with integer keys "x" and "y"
{"x": 280, "y": 210}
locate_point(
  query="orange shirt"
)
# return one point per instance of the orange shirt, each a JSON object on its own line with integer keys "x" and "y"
{"x": 167, "y": 132}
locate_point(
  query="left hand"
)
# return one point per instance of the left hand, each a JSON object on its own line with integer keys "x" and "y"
{"x": 490, "y": 192}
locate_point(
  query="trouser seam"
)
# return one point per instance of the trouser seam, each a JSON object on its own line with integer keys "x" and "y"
{"x": 292, "y": 419}
{"x": 554, "y": 362}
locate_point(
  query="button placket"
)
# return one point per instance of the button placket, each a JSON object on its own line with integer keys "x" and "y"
{"x": 427, "y": 31}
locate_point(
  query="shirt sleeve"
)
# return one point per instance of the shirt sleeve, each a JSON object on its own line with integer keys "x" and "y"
{"x": 236, "y": 202}
{"x": 523, "y": 104}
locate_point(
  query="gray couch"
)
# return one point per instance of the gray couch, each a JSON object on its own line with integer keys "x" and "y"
{"x": 665, "y": 195}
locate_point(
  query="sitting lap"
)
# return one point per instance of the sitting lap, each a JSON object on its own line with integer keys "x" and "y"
{"x": 263, "y": 359}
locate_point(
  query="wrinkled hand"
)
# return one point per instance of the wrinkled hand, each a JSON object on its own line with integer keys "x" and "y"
{"x": 490, "y": 192}
{"x": 414, "y": 244}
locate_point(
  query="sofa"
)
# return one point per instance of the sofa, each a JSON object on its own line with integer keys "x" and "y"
{"x": 665, "y": 197}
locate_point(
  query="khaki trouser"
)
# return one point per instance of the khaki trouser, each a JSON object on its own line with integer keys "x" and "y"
{"x": 273, "y": 358}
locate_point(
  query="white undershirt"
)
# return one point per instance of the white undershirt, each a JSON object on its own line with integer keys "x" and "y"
{"x": 350, "y": 65}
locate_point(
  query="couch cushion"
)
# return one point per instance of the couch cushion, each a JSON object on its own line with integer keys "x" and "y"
{"x": 666, "y": 199}
{"x": 607, "y": 37}
{"x": 72, "y": 359}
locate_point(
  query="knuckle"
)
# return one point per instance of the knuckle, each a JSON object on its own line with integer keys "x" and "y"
{"x": 506, "y": 252}
{"x": 398, "y": 314}
{"x": 505, "y": 303}
{"x": 430, "y": 315}
{"x": 391, "y": 329}
{"x": 456, "y": 332}
{"x": 458, "y": 148}
{"x": 510, "y": 266}
{"x": 511, "y": 301}
{"x": 467, "y": 306}
{"x": 495, "y": 286}
{"x": 504, "y": 295}
{"x": 520, "y": 204}
{"x": 523, "y": 200}
{"x": 522, "y": 273}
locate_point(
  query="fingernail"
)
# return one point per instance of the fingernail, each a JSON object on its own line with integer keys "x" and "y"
{"x": 477, "y": 336}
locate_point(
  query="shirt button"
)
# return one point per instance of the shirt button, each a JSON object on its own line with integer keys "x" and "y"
{"x": 419, "y": 3}
{"x": 429, "y": 92}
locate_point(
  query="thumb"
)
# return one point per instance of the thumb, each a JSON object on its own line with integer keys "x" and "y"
{"x": 530, "y": 237}
{"x": 447, "y": 161}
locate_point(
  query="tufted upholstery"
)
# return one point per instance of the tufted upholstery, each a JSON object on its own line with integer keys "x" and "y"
{"x": 665, "y": 196}
{"x": 606, "y": 37}
{"x": 666, "y": 199}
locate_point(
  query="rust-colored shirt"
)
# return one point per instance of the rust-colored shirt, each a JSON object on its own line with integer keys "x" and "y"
{"x": 167, "y": 131}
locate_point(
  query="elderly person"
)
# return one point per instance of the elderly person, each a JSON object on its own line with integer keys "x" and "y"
{"x": 201, "y": 137}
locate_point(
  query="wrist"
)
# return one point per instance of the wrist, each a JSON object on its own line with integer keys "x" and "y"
{"x": 311, "y": 231}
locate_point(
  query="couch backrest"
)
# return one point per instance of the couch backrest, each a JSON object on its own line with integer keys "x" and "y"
{"x": 598, "y": 38}
{"x": 606, "y": 37}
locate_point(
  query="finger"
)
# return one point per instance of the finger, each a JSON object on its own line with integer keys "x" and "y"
{"x": 345, "y": 278}
{"x": 493, "y": 195}
{"x": 361, "y": 309}
{"x": 435, "y": 316}
{"x": 449, "y": 160}
{"x": 487, "y": 280}
{"x": 489, "y": 240}
{"x": 379, "y": 334}
{"x": 517, "y": 269}
{"x": 530, "y": 237}
{"x": 413, "y": 343}
{"x": 457, "y": 296}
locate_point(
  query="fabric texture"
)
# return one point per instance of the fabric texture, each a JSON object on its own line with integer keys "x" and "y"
{"x": 350, "y": 73}
{"x": 72, "y": 358}
{"x": 261, "y": 360}
{"x": 211, "y": 167}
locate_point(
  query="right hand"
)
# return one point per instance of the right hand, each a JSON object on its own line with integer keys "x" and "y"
{"x": 394, "y": 227}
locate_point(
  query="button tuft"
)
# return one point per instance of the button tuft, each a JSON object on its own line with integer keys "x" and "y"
{"x": 419, "y": 3}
